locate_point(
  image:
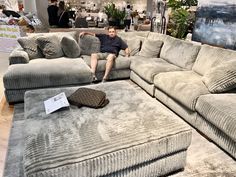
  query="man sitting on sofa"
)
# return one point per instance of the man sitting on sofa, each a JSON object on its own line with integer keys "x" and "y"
{"x": 111, "y": 44}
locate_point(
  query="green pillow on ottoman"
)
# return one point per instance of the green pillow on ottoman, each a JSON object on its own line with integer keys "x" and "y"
{"x": 51, "y": 47}
{"x": 221, "y": 78}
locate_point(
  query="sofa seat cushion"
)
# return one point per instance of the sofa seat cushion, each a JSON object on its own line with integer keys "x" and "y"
{"x": 179, "y": 52}
{"x": 183, "y": 86}
{"x": 120, "y": 63}
{"x": 219, "y": 109}
{"x": 40, "y": 73}
{"x": 148, "y": 68}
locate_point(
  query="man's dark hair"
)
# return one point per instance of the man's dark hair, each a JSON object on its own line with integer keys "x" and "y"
{"x": 111, "y": 27}
{"x": 52, "y": 1}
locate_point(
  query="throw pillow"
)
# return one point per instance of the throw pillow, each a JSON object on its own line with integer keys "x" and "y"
{"x": 151, "y": 48}
{"x": 134, "y": 45}
{"x": 51, "y": 47}
{"x": 70, "y": 47}
{"x": 221, "y": 78}
{"x": 31, "y": 47}
{"x": 89, "y": 44}
{"x": 88, "y": 97}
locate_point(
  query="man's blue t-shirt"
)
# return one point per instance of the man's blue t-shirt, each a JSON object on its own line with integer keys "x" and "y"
{"x": 111, "y": 45}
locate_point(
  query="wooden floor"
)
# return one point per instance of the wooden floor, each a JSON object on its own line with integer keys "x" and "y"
{"x": 6, "y": 114}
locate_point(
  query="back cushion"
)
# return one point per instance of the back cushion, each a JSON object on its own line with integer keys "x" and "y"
{"x": 142, "y": 35}
{"x": 157, "y": 36}
{"x": 151, "y": 48}
{"x": 31, "y": 47}
{"x": 134, "y": 45}
{"x": 50, "y": 46}
{"x": 210, "y": 56}
{"x": 89, "y": 44}
{"x": 179, "y": 52}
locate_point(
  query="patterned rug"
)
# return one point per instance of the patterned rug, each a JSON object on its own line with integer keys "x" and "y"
{"x": 204, "y": 158}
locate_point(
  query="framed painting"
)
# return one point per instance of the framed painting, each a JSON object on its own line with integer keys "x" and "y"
{"x": 216, "y": 23}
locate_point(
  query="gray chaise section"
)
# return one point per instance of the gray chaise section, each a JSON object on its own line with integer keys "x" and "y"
{"x": 44, "y": 73}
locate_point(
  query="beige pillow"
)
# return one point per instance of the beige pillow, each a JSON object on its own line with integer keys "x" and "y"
{"x": 151, "y": 48}
{"x": 221, "y": 78}
{"x": 134, "y": 45}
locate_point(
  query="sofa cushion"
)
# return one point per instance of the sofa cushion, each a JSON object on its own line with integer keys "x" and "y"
{"x": 221, "y": 78}
{"x": 179, "y": 52}
{"x": 148, "y": 68}
{"x": 142, "y": 35}
{"x": 51, "y": 47}
{"x": 183, "y": 86}
{"x": 31, "y": 47}
{"x": 210, "y": 56}
{"x": 70, "y": 47}
{"x": 42, "y": 73}
{"x": 17, "y": 56}
{"x": 89, "y": 44}
{"x": 119, "y": 64}
{"x": 157, "y": 36}
{"x": 134, "y": 45}
{"x": 151, "y": 48}
{"x": 219, "y": 109}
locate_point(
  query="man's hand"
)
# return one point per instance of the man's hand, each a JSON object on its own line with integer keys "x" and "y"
{"x": 86, "y": 33}
{"x": 81, "y": 34}
{"x": 127, "y": 55}
{"x": 127, "y": 52}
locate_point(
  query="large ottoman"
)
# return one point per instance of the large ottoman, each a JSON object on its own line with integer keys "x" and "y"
{"x": 134, "y": 135}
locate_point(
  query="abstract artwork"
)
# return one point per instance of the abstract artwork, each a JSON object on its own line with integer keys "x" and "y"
{"x": 216, "y": 23}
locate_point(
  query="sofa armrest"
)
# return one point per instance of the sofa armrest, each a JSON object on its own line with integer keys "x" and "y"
{"x": 18, "y": 56}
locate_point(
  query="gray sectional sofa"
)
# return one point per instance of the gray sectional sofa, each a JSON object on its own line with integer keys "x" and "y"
{"x": 195, "y": 81}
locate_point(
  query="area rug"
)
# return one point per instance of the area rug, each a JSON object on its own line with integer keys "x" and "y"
{"x": 204, "y": 158}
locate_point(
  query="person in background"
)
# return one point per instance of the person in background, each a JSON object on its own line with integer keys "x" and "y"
{"x": 128, "y": 17}
{"x": 52, "y": 14}
{"x": 111, "y": 45}
{"x": 63, "y": 16}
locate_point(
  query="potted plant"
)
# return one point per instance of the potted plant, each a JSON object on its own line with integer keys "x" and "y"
{"x": 115, "y": 16}
{"x": 181, "y": 19}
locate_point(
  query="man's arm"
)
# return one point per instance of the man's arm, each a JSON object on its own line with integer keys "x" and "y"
{"x": 86, "y": 33}
{"x": 125, "y": 47}
{"x": 127, "y": 52}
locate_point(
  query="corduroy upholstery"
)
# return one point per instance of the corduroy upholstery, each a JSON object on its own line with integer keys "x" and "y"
{"x": 136, "y": 136}
{"x": 178, "y": 78}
